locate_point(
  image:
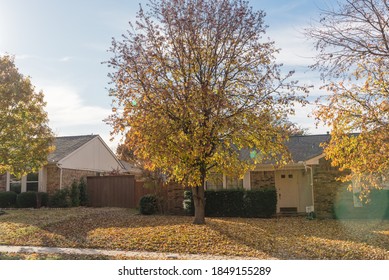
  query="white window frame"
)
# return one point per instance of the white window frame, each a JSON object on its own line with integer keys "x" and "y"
{"x": 23, "y": 182}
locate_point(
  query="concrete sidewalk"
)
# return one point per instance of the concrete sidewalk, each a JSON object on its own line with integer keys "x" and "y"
{"x": 130, "y": 254}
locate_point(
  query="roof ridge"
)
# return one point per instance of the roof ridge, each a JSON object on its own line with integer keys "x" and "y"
{"x": 309, "y": 135}
{"x": 79, "y": 136}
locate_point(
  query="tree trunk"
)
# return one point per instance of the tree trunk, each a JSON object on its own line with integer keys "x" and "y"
{"x": 199, "y": 204}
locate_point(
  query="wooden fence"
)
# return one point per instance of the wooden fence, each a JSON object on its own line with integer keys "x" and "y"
{"x": 124, "y": 191}
{"x": 114, "y": 191}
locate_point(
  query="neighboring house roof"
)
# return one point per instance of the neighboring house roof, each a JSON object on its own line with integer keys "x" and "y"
{"x": 84, "y": 152}
{"x": 301, "y": 147}
{"x": 305, "y": 147}
{"x": 131, "y": 168}
{"x": 64, "y": 146}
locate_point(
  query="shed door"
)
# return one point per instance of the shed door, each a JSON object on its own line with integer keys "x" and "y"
{"x": 287, "y": 191}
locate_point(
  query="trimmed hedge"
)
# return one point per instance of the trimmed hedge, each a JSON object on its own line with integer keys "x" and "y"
{"x": 236, "y": 203}
{"x": 8, "y": 199}
{"x": 224, "y": 203}
{"x": 260, "y": 203}
{"x": 148, "y": 204}
{"x": 23, "y": 200}
{"x": 27, "y": 200}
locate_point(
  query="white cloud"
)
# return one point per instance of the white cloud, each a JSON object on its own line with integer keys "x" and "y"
{"x": 304, "y": 118}
{"x": 65, "y": 59}
{"x": 295, "y": 49}
{"x": 67, "y": 109}
{"x": 24, "y": 56}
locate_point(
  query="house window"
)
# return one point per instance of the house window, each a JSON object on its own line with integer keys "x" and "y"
{"x": 215, "y": 181}
{"x": 15, "y": 184}
{"x": 25, "y": 183}
{"x": 234, "y": 183}
{"x": 32, "y": 182}
{"x": 283, "y": 176}
{"x": 290, "y": 176}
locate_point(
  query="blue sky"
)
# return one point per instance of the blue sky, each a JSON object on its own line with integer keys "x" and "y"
{"x": 61, "y": 45}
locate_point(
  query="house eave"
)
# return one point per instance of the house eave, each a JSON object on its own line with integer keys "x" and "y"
{"x": 272, "y": 167}
{"x": 314, "y": 160}
{"x": 290, "y": 166}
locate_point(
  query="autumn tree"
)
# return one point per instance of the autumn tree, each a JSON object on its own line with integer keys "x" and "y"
{"x": 194, "y": 83}
{"x": 353, "y": 57}
{"x": 25, "y": 138}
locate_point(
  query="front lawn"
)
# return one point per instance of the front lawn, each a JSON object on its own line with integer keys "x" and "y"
{"x": 124, "y": 229}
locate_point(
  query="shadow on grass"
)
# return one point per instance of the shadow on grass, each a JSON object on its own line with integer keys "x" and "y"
{"x": 299, "y": 238}
{"x": 123, "y": 229}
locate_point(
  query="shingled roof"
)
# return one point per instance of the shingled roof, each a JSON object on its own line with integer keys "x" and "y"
{"x": 64, "y": 146}
{"x": 301, "y": 148}
{"x": 305, "y": 147}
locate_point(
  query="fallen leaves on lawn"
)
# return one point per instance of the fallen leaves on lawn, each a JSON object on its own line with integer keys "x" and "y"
{"x": 123, "y": 229}
{"x": 35, "y": 256}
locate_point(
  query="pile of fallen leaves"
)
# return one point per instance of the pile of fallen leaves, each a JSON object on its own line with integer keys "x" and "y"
{"x": 123, "y": 229}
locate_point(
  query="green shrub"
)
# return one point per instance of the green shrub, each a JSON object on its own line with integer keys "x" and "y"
{"x": 224, "y": 203}
{"x": 148, "y": 204}
{"x": 8, "y": 199}
{"x": 83, "y": 193}
{"x": 235, "y": 203}
{"x": 42, "y": 199}
{"x": 16, "y": 189}
{"x": 60, "y": 199}
{"x": 27, "y": 200}
{"x": 260, "y": 203}
{"x": 75, "y": 194}
{"x": 188, "y": 204}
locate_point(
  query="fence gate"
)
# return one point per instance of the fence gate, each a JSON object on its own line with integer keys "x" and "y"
{"x": 114, "y": 191}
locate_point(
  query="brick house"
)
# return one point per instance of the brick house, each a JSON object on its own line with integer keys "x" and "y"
{"x": 307, "y": 183}
{"x": 74, "y": 157}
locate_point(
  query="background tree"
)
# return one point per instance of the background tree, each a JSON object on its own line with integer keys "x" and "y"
{"x": 25, "y": 138}
{"x": 194, "y": 83}
{"x": 353, "y": 57}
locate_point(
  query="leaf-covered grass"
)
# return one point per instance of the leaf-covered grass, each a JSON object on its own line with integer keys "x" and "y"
{"x": 40, "y": 256}
{"x": 123, "y": 229}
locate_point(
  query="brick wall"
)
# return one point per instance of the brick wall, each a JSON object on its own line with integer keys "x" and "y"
{"x": 262, "y": 179}
{"x": 53, "y": 175}
{"x": 68, "y": 176}
{"x": 327, "y": 189}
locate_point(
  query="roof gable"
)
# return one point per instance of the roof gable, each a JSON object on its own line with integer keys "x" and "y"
{"x": 64, "y": 146}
